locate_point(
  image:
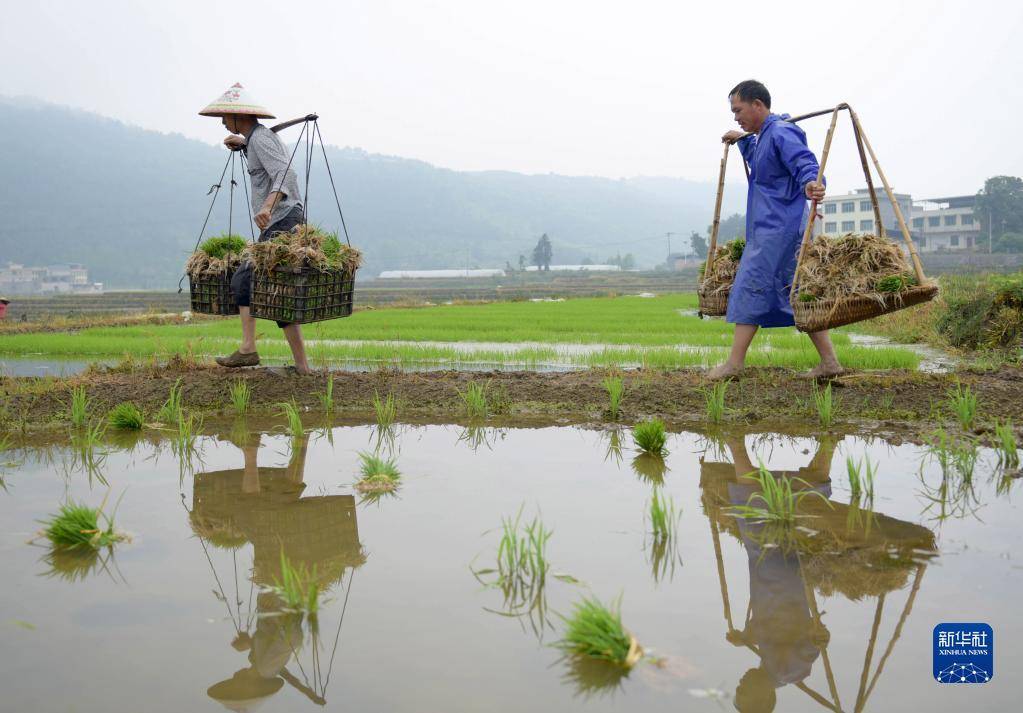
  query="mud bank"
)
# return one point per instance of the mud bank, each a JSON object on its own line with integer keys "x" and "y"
{"x": 907, "y": 403}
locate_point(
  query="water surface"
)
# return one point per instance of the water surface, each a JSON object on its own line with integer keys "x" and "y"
{"x": 179, "y": 618}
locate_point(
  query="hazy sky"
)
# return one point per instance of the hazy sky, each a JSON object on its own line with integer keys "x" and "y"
{"x": 610, "y": 89}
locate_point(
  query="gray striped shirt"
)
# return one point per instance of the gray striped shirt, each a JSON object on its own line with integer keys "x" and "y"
{"x": 268, "y": 158}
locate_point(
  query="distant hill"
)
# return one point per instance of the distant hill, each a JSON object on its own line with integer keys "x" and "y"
{"x": 128, "y": 203}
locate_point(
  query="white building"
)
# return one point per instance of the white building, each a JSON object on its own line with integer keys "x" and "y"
{"x": 437, "y": 274}
{"x": 574, "y": 268}
{"x": 940, "y": 224}
{"x": 936, "y": 224}
{"x": 17, "y": 279}
{"x": 854, "y": 212}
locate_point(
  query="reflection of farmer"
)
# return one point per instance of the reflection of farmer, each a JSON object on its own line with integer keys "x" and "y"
{"x": 276, "y": 202}
{"x": 264, "y": 506}
{"x": 782, "y": 175}
{"x": 783, "y": 625}
{"x": 779, "y": 625}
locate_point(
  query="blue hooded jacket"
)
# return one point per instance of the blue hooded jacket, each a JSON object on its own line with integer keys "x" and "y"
{"x": 781, "y": 164}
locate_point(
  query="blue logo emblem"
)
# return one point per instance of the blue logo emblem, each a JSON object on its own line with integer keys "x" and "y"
{"x": 964, "y": 653}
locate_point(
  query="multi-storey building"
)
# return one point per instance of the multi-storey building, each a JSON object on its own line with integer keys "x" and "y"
{"x": 945, "y": 224}
{"x": 936, "y": 224}
{"x": 854, "y": 212}
{"x": 18, "y": 279}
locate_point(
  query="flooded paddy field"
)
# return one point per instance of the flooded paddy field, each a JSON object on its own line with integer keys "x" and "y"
{"x": 418, "y": 612}
{"x": 651, "y": 332}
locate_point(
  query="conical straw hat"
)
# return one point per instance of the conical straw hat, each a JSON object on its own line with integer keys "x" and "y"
{"x": 236, "y": 100}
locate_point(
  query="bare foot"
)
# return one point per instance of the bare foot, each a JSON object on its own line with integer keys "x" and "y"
{"x": 825, "y": 371}
{"x": 723, "y": 371}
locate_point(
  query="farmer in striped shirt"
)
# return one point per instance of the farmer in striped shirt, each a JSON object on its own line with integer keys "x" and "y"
{"x": 276, "y": 204}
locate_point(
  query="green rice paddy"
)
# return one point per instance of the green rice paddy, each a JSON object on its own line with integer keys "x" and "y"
{"x": 653, "y": 332}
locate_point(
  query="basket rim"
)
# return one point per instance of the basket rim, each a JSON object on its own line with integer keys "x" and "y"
{"x": 839, "y": 302}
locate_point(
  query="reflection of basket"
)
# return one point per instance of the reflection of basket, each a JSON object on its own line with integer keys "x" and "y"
{"x": 302, "y": 295}
{"x": 318, "y": 532}
{"x": 713, "y": 303}
{"x": 827, "y": 314}
{"x": 855, "y": 558}
{"x": 211, "y": 294}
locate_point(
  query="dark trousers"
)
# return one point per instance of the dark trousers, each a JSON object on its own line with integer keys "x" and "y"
{"x": 241, "y": 282}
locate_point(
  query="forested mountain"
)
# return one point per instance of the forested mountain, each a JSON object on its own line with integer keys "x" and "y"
{"x": 128, "y": 203}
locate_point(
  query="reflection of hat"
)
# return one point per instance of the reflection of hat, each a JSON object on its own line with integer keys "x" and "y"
{"x": 236, "y": 100}
{"x": 244, "y": 690}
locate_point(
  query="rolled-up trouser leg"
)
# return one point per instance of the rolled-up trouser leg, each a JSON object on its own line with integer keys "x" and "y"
{"x": 241, "y": 282}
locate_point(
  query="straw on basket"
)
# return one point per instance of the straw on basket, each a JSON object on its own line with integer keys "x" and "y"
{"x": 847, "y": 278}
{"x": 713, "y": 299}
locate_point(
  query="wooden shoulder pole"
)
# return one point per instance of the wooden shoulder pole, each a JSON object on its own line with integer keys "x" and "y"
{"x": 813, "y": 206}
{"x": 712, "y": 248}
{"x": 878, "y": 225}
{"x": 917, "y": 266}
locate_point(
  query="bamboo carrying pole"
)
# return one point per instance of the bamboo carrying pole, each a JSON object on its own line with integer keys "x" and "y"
{"x": 917, "y": 266}
{"x": 712, "y": 248}
{"x": 881, "y": 232}
{"x": 813, "y": 205}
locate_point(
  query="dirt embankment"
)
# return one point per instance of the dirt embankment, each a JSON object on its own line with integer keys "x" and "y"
{"x": 904, "y": 403}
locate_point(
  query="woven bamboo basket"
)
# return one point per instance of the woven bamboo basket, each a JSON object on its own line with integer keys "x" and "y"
{"x": 819, "y": 315}
{"x": 828, "y": 314}
{"x": 713, "y": 303}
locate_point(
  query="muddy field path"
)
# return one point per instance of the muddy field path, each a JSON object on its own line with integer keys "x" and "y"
{"x": 898, "y": 401}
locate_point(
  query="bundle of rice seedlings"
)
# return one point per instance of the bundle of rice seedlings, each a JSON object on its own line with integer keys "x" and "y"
{"x": 216, "y": 256}
{"x": 76, "y": 525}
{"x": 724, "y": 266}
{"x": 305, "y": 247}
{"x": 377, "y": 474}
{"x": 853, "y": 265}
{"x": 595, "y": 631}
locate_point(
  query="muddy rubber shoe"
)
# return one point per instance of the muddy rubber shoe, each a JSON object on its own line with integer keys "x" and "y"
{"x": 239, "y": 359}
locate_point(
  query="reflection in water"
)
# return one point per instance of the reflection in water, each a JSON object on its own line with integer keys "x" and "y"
{"x": 650, "y": 467}
{"x": 852, "y": 556}
{"x": 954, "y": 495}
{"x": 264, "y": 507}
{"x": 613, "y": 451}
{"x": 476, "y": 435}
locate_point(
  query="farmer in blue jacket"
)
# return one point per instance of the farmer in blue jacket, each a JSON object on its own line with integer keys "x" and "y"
{"x": 783, "y": 175}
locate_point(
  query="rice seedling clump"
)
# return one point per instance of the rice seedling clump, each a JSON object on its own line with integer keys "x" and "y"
{"x": 386, "y": 410}
{"x": 853, "y": 264}
{"x": 171, "y": 409}
{"x": 77, "y": 525}
{"x": 650, "y": 436}
{"x": 377, "y": 474}
{"x": 475, "y": 399}
{"x": 216, "y": 256}
{"x": 963, "y": 403}
{"x": 240, "y": 395}
{"x": 126, "y": 415}
{"x": 776, "y": 502}
{"x": 298, "y": 587}
{"x": 290, "y": 410}
{"x": 1005, "y": 441}
{"x": 79, "y": 408}
{"x": 595, "y": 631}
{"x": 615, "y": 391}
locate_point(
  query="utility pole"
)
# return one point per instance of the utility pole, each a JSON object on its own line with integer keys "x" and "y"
{"x": 990, "y": 242}
{"x": 669, "y": 234}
